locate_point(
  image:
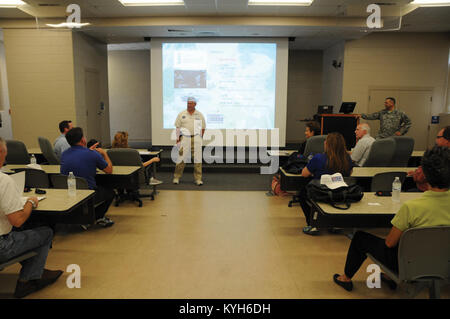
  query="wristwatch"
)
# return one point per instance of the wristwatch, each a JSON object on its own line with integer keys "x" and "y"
{"x": 32, "y": 202}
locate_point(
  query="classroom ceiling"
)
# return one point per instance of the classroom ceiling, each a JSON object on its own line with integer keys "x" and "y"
{"x": 318, "y": 26}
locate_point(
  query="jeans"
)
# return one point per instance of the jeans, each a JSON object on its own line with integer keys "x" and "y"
{"x": 363, "y": 243}
{"x": 18, "y": 242}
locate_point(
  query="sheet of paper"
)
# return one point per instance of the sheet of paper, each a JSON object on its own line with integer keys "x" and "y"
{"x": 374, "y": 204}
{"x": 19, "y": 179}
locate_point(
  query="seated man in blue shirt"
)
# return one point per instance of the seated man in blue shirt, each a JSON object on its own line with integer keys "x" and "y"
{"x": 61, "y": 144}
{"x": 83, "y": 162}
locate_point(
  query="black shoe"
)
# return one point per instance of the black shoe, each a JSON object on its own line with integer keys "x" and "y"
{"x": 23, "y": 289}
{"x": 388, "y": 281}
{"x": 344, "y": 284}
{"x": 49, "y": 277}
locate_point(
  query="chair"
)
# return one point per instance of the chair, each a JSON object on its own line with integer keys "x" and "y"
{"x": 17, "y": 259}
{"x": 47, "y": 151}
{"x": 383, "y": 181}
{"x": 35, "y": 178}
{"x": 404, "y": 146}
{"x": 17, "y": 153}
{"x": 130, "y": 157}
{"x": 140, "y": 144}
{"x": 423, "y": 259}
{"x": 314, "y": 145}
{"x": 60, "y": 182}
{"x": 381, "y": 152}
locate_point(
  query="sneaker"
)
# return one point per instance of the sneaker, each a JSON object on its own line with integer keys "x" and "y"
{"x": 309, "y": 230}
{"x": 199, "y": 183}
{"x": 176, "y": 181}
{"x": 154, "y": 181}
{"x": 23, "y": 289}
{"x": 105, "y": 222}
{"x": 85, "y": 226}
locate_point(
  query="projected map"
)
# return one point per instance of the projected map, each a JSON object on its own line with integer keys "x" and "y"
{"x": 234, "y": 83}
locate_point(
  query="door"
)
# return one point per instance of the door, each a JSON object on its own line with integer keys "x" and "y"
{"x": 93, "y": 108}
{"x": 415, "y": 103}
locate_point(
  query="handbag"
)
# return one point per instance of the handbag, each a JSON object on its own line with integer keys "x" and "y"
{"x": 344, "y": 195}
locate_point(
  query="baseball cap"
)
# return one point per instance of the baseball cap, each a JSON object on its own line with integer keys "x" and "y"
{"x": 333, "y": 181}
{"x": 192, "y": 99}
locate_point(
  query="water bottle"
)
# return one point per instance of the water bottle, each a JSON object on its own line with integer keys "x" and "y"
{"x": 71, "y": 184}
{"x": 33, "y": 159}
{"x": 396, "y": 189}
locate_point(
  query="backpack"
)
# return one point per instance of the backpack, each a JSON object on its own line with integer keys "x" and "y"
{"x": 295, "y": 163}
{"x": 276, "y": 187}
{"x": 343, "y": 195}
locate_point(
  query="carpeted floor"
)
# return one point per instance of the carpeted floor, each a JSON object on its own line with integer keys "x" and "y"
{"x": 217, "y": 181}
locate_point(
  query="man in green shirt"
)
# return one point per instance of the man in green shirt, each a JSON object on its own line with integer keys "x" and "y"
{"x": 431, "y": 209}
{"x": 392, "y": 121}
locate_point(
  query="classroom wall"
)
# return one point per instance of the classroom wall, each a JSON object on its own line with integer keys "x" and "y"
{"x": 332, "y": 77}
{"x": 129, "y": 93}
{"x": 304, "y": 91}
{"x": 40, "y": 82}
{"x": 89, "y": 54}
{"x": 385, "y": 59}
{"x": 5, "y": 118}
{"x": 129, "y": 83}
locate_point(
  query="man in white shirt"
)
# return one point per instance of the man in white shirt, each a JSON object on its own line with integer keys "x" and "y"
{"x": 190, "y": 125}
{"x": 14, "y": 211}
{"x": 61, "y": 144}
{"x": 363, "y": 144}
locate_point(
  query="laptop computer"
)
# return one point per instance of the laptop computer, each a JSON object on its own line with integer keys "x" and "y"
{"x": 347, "y": 107}
{"x": 325, "y": 109}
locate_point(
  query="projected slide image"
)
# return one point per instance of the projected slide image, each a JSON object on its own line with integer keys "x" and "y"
{"x": 189, "y": 79}
{"x": 234, "y": 83}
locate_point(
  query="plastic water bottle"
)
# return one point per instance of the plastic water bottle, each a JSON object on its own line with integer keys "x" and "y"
{"x": 71, "y": 184}
{"x": 33, "y": 159}
{"x": 396, "y": 189}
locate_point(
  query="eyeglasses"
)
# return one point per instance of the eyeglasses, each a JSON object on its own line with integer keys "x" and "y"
{"x": 440, "y": 136}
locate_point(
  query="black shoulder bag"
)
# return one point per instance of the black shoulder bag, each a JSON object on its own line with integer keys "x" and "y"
{"x": 340, "y": 196}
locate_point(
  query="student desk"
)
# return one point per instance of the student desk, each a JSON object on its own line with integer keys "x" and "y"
{"x": 125, "y": 177}
{"x": 146, "y": 155}
{"x": 59, "y": 207}
{"x": 291, "y": 182}
{"x": 371, "y": 212}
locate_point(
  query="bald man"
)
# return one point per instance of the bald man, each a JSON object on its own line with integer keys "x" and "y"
{"x": 363, "y": 144}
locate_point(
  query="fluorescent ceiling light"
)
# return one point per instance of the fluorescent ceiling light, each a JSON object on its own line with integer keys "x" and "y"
{"x": 152, "y": 2}
{"x": 431, "y": 3}
{"x": 68, "y": 25}
{"x": 11, "y": 3}
{"x": 280, "y": 2}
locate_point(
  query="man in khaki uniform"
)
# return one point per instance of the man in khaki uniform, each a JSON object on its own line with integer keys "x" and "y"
{"x": 190, "y": 125}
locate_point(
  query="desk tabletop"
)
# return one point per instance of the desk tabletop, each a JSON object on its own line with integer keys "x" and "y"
{"x": 34, "y": 150}
{"x": 49, "y": 169}
{"x": 371, "y": 204}
{"x": 280, "y": 152}
{"x": 121, "y": 170}
{"x": 417, "y": 153}
{"x": 365, "y": 171}
{"x": 372, "y": 171}
{"x": 58, "y": 200}
{"x": 55, "y": 169}
{"x": 143, "y": 151}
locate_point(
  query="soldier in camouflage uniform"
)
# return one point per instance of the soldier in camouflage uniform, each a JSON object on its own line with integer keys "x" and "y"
{"x": 392, "y": 121}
